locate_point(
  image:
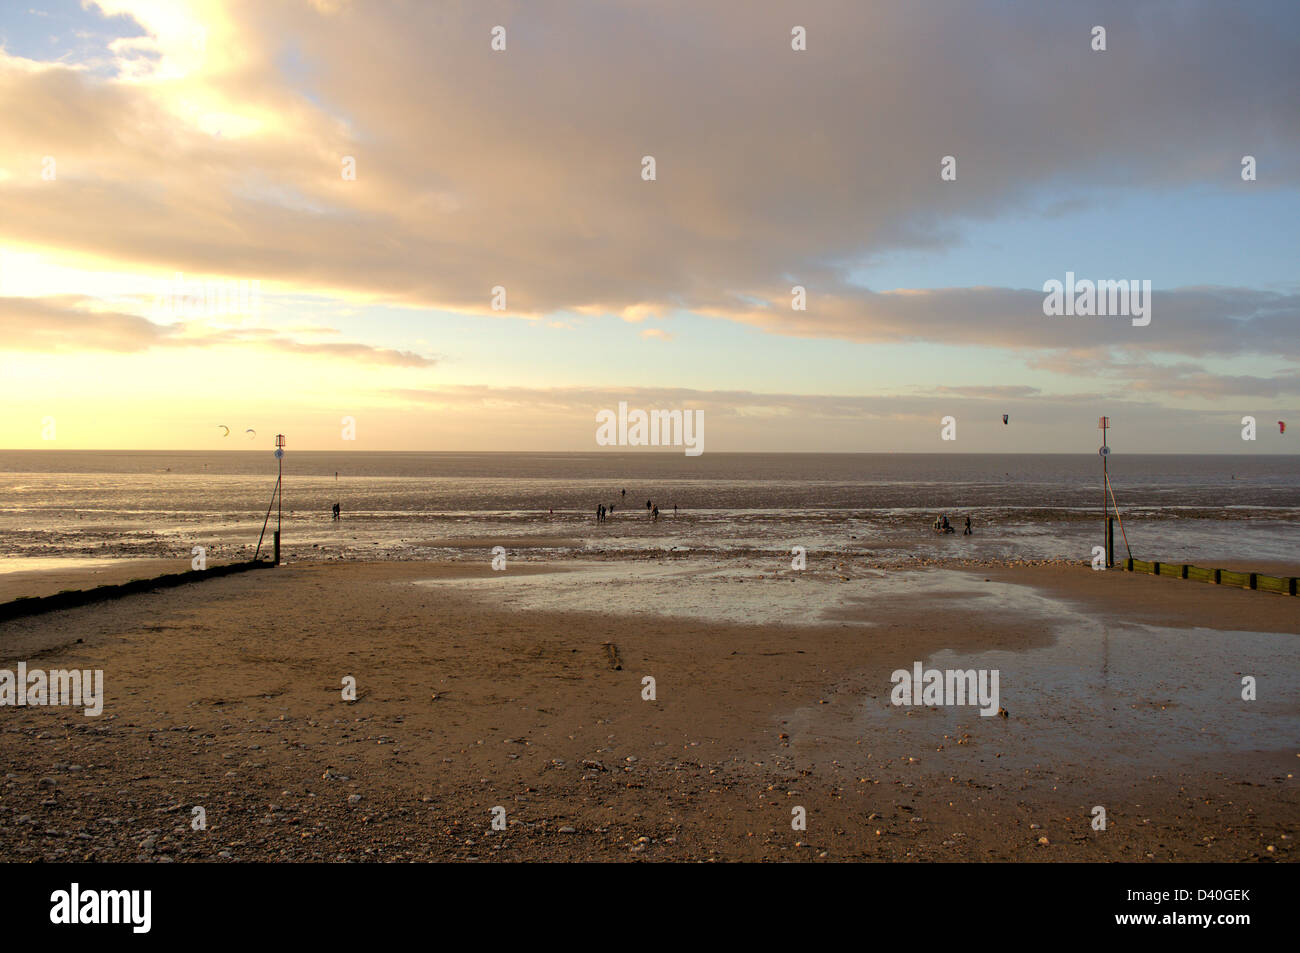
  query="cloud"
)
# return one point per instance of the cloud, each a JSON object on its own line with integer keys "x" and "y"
{"x": 1193, "y": 321}
{"x": 76, "y": 323}
{"x": 991, "y": 393}
{"x": 563, "y": 418}
{"x": 66, "y": 323}
{"x": 523, "y": 168}
{"x": 1182, "y": 380}
{"x": 585, "y": 401}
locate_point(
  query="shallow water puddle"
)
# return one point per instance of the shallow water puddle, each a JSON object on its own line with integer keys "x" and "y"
{"x": 1108, "y": 692}
{"x": 695, "y": 590}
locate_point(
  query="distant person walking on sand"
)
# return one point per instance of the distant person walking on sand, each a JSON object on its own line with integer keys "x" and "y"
{"x": 966, "y": 531}
{"x": 654, "y": 514}
{"x": 600, "y": 512}
{"x": 625, "y": 494}
{"x": 674, "y": 510}
{"x": 335, "y": 510}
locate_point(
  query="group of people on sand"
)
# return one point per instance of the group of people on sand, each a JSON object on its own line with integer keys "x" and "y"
{"x": 941, "y": 525}
{"x": 603, "y": 512}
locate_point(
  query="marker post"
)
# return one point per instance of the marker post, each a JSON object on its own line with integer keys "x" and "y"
{"x": 279, "y": 483}
{"x": 1108, "y": 531}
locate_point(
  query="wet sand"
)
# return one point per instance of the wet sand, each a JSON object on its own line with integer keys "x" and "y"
{"x": 1122, "y": 691}
{"x": 486, "y": 543}
{"x": 60, "y": 573}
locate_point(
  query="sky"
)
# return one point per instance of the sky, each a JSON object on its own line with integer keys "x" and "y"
{"x": 370, "y": 174}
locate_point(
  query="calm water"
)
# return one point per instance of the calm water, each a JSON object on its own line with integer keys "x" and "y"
{"x": 1175, "y": 508}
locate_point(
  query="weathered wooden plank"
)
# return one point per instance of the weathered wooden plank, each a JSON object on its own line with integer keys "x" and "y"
{"x": 1286, "y": 585}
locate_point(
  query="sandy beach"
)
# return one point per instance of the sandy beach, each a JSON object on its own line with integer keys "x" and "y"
{"x": 22, "y": 578}
{"x": 521, "y": 690}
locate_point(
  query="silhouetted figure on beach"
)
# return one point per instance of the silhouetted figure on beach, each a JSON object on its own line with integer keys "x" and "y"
{"x": 654, "y": 514}
{"x": 337, "y": 510}
{"x": 600, "y": 513}
{"x": 674, "y": 509}
{"x": 647, "y": 504}
{"x": 966, "y": 531}
{"x": 625, "y": 494}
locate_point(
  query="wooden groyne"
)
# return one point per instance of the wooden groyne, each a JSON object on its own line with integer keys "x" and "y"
{"x": 1284, "y": 585}
{"x": 35, "y": 605}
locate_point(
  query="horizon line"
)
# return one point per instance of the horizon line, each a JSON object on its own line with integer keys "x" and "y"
{"x": 676, "y": 452}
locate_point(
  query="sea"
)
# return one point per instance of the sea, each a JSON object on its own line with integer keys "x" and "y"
{"x": 1211, "y": 510}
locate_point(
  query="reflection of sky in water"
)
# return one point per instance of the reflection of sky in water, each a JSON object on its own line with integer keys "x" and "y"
{"x": 1118, "y": 692}
{"x": 57, "y": 563}
{"x": 694, "y": 589}
{"x": 1103, "y": 688}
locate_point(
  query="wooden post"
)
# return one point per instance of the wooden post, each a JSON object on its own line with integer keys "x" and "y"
{"x": 1217, "y": 577}
{"x": 1155, "y": 569}
{"x": 279, "y": 458}
{"x": 1107, "y": 533}
{"x": 1254, "y": 580}
{"x": 1185, "y": 568}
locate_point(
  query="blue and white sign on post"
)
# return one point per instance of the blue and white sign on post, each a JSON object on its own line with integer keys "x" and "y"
{"x": 279, "y": 453}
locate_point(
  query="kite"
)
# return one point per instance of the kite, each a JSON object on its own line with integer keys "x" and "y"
{"x": 1004, "y": 418}
{"x": 1281, "y": 425}
{"x": 226, "y": 429}
{"x": 252, "y": 431}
